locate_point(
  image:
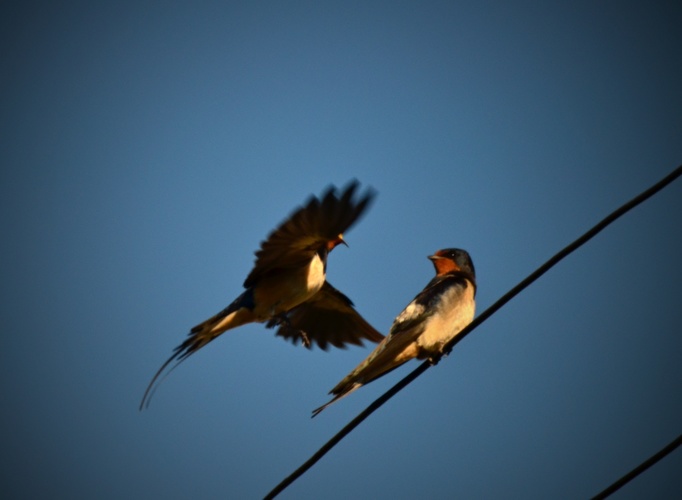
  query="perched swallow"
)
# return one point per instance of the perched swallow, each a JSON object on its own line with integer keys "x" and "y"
{"x": 435, "y": 316}
{"x": 287, "y": 287}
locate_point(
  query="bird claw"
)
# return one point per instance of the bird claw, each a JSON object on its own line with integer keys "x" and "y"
{"x": 284, "y": 321}
{"x": 433, "y": 360}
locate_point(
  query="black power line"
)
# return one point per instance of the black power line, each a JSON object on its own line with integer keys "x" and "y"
{"x": 639, "y": 469}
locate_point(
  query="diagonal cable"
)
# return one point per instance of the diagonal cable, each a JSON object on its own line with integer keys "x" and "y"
{"x": 665, "y": 451}
{"x": 477, "y": 321}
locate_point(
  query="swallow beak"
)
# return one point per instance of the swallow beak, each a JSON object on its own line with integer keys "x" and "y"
{"x": 434, "y": 257}
{"x": 335, "y": 242}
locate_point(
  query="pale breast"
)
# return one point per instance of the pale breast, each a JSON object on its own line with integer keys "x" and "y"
{"x": 303, "y": 284}
{"x": 316, "y": 275}
{"x": 285, "y": 290}
{"x": 454, "y": 311}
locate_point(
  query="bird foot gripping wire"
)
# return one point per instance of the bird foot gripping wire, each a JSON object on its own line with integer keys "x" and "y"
{"x": 434, "y": 359}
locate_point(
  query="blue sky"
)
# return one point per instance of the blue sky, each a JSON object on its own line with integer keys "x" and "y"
{"x": 148, "y": 148}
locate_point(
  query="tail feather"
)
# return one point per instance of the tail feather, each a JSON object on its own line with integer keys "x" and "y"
{"x": 236, "y": 314}
{"x": 384, "y": 359}
{"x": 347, "y": 390}
{"x": 354, "y": 381}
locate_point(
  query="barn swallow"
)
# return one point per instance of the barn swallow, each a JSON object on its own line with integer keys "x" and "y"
{"x": 436, "y": 315}
{"x": 287, "y": 287}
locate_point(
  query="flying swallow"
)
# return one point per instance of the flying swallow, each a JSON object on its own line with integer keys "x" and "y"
{"x": 287, "y": 286}
{"x": 436, "y": 315}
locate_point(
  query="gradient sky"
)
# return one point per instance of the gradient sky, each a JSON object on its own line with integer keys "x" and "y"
{"x": 148, "y": 147}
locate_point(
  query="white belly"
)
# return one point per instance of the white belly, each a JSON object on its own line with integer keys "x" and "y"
{"x": 455, "y": 311}
{"x": 316, "y": 276}
{"x": 288, "y": 289}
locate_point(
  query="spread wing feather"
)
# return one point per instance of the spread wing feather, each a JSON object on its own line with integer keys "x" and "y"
{"x": 327, "y": 318}
{"x": 294, "y": 242}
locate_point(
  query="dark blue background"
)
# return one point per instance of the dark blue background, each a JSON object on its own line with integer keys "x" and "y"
{"x": 148, "y": 147}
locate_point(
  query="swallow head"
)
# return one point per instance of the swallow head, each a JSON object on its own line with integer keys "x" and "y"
{"x": 332, "y": 244}
{"x": 453, "y": 259}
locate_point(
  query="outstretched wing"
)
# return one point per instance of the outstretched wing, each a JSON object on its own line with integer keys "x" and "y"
{"x": 327, "y": 318}
{"x": 308, "y": 228}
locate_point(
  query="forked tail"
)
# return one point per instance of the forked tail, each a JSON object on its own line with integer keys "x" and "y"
{"x": 236, "y": 314}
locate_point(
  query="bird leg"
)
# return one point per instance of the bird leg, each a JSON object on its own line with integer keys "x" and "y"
{"x": 304, "y": 338}
{"x": 283, "y": 320}
{"x": 433, "y": 360}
